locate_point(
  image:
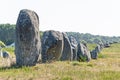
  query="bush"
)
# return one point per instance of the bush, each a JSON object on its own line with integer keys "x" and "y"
{"x": 2, "y": 44}
{"x": 82, "y": 59}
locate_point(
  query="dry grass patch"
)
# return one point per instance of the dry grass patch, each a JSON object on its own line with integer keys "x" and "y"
{"x": 104, "y": 68}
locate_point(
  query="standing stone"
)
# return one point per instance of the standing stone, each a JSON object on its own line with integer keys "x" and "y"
{"x": 83, "y": 53}
{"x": 67, "y": 49}
{"x": 5, "y": 54}
{"x": 27, "y": 41}
{"x": 94, "y": 54}
{"x": 98, "y": 49}
{"x": 107, "y": 44}
{"x": 52, "y": 46}
{"x": 101, "y": 45}
{"x": 74, "y": 45}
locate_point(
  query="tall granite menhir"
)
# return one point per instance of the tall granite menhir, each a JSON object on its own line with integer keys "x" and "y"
{"x": 27, "y": 41}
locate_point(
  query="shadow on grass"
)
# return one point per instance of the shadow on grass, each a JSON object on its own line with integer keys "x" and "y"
{"x": 14, "y": 66}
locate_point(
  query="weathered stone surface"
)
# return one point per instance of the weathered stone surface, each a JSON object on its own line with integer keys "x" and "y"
{"x": 5, "y": 54}
{"x": 83, "y": 53}
{"x": 94, "y": 54}
{"x": 107, "y": 44}
{"x": 101, "y": 45}
{"x": 52, "y": 45}
{"x": 67, "y": 53}
{"x": 98, "y": 49}
{"x": 74, "y": 45}
{"x": 27, "y": 41}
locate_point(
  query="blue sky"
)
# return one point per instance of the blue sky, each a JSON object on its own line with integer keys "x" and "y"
{"x": 99, "y": 17}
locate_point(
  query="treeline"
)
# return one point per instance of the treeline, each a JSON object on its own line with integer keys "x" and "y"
{"x": 89, "y": 38}
{"x": 7, "y": 35}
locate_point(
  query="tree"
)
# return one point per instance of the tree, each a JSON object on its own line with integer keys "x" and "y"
{"x": 7, "y": 33}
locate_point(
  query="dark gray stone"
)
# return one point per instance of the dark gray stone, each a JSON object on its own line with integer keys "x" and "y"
{"x": 101, "y": 45}
{"x": 83, "y": 53}
{"x": 5, "y": 54}
{"x": 27, "y": 41}
{"x": 11, "y": 45}
{"x": 74, "y": 45}
{"x": 52, "y": 46}
{"x": 98, "y": 49}
{"x": 107, "y": 44}
{"x": 67, "y": 49}
{"x": 94, "y": 54}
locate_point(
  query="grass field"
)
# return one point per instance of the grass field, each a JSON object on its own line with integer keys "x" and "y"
{"x": 106, "y": 67}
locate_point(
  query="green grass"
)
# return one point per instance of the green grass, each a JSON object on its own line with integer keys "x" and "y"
{"x": 114, "y": 48}
{"x": 91, "y": 46}
{"x": 113, "y": 51}
{"x": 106, "y": 67}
